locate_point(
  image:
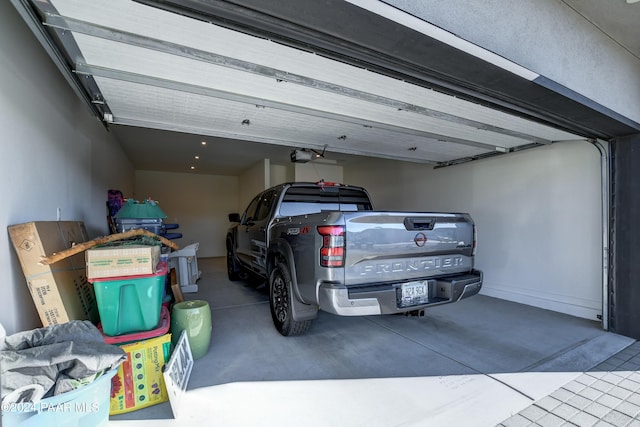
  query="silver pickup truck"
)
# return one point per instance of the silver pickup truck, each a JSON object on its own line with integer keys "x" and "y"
{"x": 322, "y": 246}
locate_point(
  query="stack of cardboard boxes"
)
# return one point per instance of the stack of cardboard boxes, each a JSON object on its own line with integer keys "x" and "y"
{"x": 119, "y": 288}
{"x": 129, "y": 283}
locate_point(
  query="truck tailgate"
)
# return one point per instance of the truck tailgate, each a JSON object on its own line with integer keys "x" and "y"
{"x": 397, "y": 246}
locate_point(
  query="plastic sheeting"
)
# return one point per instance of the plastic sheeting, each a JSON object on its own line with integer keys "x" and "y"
{"x": 53, "y": 360}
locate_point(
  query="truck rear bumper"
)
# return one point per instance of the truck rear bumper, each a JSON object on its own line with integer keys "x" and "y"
{"x": 384, "y": 298}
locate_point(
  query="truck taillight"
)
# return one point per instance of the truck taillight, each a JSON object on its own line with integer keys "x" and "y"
{"x": 332, "y": 250}
{"x": 475, "y": 239}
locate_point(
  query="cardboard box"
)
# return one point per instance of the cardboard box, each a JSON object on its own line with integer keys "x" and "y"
{"x": 139, "y": 382}
{"x": 60, "y": 291}
{"x": 122, "y": 260}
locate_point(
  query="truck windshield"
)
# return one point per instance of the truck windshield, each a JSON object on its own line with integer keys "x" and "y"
{"x": 307, "y": 200}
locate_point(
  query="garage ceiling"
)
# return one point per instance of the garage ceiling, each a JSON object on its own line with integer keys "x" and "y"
{"x": 165, "y": 81}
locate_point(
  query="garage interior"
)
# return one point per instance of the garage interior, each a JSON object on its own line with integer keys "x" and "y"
{"x": 136, "y": 88}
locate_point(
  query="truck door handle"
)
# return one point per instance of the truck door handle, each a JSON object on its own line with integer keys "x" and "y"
{"x": 419, "y": 223}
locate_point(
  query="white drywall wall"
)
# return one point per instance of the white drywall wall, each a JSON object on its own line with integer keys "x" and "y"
{"x": 316, "y": 171}
{"x": 537, "y": 212}
{"x": 281, "y": 174}
{"x": 54, "y": 155}
{"x": 253, "y": 181}
{"x": 199, "y": 204}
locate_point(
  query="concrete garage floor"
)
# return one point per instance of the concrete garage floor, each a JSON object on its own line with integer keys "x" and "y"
{"x": 480, "y": 362}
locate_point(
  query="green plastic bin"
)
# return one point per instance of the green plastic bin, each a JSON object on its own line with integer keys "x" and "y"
{"x": 132, "y": 303}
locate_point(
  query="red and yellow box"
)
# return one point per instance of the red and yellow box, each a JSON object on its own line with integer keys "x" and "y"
{"x": 139, "y": 382}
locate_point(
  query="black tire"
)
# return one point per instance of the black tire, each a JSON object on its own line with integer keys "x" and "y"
{"x": 233, "y": 270}
{"x": 280, "y": 303}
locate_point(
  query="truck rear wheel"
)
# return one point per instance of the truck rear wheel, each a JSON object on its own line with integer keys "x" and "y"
{"x": 280, "y": 303}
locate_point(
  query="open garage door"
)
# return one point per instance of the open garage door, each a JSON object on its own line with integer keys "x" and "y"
{"x": 144, "y": 66}
{"x": 349, "y": 77}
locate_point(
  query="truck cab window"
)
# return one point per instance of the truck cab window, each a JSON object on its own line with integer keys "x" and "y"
{"x": 264, "y": 206}
{"x": 250, "y": 213}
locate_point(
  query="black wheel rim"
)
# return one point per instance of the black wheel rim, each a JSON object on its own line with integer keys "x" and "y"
{"x": 280, "y": 299}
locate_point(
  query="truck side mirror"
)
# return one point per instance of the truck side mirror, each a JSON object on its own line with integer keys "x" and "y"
{"x": 234, "y": 217}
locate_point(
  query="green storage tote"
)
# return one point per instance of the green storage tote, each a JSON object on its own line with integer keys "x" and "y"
{"x": 132, "y": 303}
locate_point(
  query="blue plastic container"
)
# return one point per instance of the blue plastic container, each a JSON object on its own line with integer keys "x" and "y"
{"x": 130, "y": 304}
{"x": 83, "y": 407}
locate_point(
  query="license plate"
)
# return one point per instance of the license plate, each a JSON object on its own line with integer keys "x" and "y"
{"x": 414, "y": 293}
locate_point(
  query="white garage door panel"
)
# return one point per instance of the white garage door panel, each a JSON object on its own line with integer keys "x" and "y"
{"x": 125, "y": 16}
{"x": 138, "y": 103}
{"x": 129, "y": 41}
{"x": 132, "y": 59}
{"x": 118, "y": 56}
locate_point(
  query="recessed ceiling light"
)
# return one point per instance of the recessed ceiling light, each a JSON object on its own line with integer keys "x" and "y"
{"x": 193, "y": 167}
{"x": 204, "y": 143}
{"x": 196, "y": 157}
